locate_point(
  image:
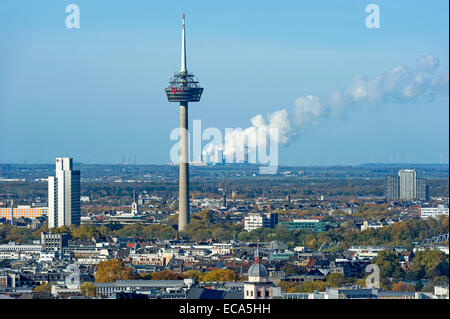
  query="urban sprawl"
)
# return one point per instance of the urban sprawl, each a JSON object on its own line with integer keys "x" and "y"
{"x": 111, "y": 231}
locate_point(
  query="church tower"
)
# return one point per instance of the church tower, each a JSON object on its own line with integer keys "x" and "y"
{"x": 258, "y": 285}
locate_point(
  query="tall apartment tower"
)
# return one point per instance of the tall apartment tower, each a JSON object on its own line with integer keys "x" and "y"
{"x": 407, "y": 183}
{"x": 183, "y": 89}
{"x": 422, "y": 190}
{"x": 392, "y": 187}
{"x": 64, "y": 195}
{"x": 406, "y": 186}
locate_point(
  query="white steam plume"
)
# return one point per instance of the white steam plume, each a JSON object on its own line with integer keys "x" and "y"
{"x": 399, "y": 84}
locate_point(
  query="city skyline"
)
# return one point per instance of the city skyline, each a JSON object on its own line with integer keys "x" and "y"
{"x": 107, "y": 90}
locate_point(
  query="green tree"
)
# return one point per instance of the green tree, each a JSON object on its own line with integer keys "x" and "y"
{"x": 419, "y": 285}
{"x": 335, "y": 280}
{"x": 431, "y": 263}
{"x": 389, "y": 264}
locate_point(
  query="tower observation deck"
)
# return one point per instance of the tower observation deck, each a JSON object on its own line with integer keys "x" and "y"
{"x": 183, "y": 88}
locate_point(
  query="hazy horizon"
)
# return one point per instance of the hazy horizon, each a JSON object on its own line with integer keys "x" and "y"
{"x": 97, "y": 92}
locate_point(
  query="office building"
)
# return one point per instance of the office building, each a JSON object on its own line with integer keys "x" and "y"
{"x": 314, "y": 225}
{"x": 25, "y": 211}
{"x": 54, "y": 242}
{"x": 64, "y": 195}
{"x": 434, "y": 212}
{"x": 260, "y": 220}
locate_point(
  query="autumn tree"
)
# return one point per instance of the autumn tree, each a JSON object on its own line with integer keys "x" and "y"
{"x": 402, "y": 287}
{"x": 112, "y": 270}
{"x": 317, "y": 285}
{"x": 45, "y": 287}
{"x": 192, "y": 274}
{"x": 219, "y": 275}
{"x": 166, "y": 275}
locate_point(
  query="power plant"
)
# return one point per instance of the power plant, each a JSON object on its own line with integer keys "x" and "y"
{"x": 184, "y": 89}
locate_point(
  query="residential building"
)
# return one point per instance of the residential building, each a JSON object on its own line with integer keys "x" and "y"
{"x": 434, "y": 212}
{"x": 406, "y": 186}
{"x": 422, "y": 190}
{"x": 407, "y": 183}
{"x": 64, "y": 195}
{"x": 392, "y": 188}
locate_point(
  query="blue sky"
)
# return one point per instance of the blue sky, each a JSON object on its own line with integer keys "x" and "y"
{"x": 96, "y": 92}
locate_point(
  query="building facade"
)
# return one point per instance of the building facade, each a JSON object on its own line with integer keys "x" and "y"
{"x": 64, "y": 195}
{"x": 258, "y": 286}
{"x": 407, "y": 183}
{"x": 313, "y": 225}
{"x": 24, "y": 211}
{"x": 256, "y": 220}
{"x": 54, "y": 242}
{"x": 434, "y": 212}
{"x": 392, "y": 188}
{"x": 406, "y": 186}
{"x": 422, "y": 191}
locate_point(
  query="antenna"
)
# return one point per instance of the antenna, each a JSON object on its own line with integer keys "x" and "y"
{"x": 183, "y": 50}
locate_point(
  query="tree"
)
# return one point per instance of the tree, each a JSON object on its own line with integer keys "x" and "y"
{"x": 193, "y": 274}
{"x": 88, "y": 289}
{"x": 311, "y": 286}
{"x": 112, "y": 270}
{"x": 431, "y": 262}
{"x": 389, "y": 264}
{"x": 291, "y": 269}
{"x": 419, "y": 285}
{"x": 402, "y": 287}
{"x": 437, "y": 281}
{"x": 166, "y": 275}
{"x": 219, "y": 275}
{"x": 335, "y": 280}
{"x": 45, "y": 287}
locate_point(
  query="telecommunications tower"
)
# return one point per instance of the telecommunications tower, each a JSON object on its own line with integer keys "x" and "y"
{"x": 184, "y": 89}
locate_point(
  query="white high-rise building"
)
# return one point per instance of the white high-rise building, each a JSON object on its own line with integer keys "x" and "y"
{"x": 407, "y": 184}
{"x": 64, "y": 195}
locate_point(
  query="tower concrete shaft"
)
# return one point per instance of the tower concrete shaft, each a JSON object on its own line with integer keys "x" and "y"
{"x": 183, "y": 197}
